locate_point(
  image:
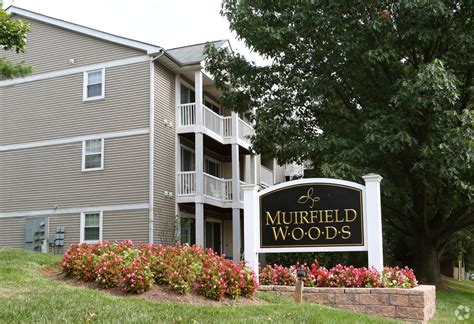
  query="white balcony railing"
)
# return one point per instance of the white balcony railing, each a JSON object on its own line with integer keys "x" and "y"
{"x": 213, "y": 121}
{"x": 218, "y": 124}
{"x": 187, "y": 114}
{"x": 227, "y": 126}
{"x": 214, "y": 187}
{"x": 266, "y": 176}
{"x": 245, "y": 130}
{"x": 217, "y": 188}
{"x": 241, "y": 191}
{"x": 187, "y": 183}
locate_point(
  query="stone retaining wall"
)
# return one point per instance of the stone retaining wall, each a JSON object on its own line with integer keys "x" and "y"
{"x": 416, "y": 304}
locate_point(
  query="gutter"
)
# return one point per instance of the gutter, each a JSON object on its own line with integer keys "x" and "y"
{"x": 151, "y": 149}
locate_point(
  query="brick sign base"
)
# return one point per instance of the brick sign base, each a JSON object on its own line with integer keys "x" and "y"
{"x": 416, "y": 304}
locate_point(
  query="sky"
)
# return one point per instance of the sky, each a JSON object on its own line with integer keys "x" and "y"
{"x": 166, "y": 23}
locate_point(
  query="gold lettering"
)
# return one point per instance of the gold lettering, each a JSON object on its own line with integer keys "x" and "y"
{"x": 345, "y": 232}
{"x": 304, "y": 215}
{"x": 327, "y": 232}
{"x": 293, "y": 233}
{"x": 284, "y": 218}
{"x": 272, "y": 220}
{"x": 338, "y": 220}
{"x": 314, "y": 216}
{"x": 328, "y": 214}
{"x": 311, "y": 235}
{"x": 354, "y": 214}
{"x": 279, "y": 232}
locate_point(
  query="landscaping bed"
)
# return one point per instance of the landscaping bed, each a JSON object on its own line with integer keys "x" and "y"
{"x": 157, "y": 293}
{"x": 136, "y": 268}
{"x": 394, "y": 293}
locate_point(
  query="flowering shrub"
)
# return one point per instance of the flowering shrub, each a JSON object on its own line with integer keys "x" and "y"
{"x": 398, "y": 278}
{"x": 137, "y": 276}
{"x": 79, "y": 261}
{"x": 108, "y": 270}
{"x": 212, "y": 282}
{"x": 321, "y": 275}
{"x": 369, "y": 277}
{"x": 135, "y": 268}
{"x": 339, "y": 276}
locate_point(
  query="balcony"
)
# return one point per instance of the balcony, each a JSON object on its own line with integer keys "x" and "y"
{"x": 217, "y": 191}
{"x": 214, "y": 125}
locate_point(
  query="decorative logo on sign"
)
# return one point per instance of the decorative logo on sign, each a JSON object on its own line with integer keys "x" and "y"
{"x": 308, "y": 198}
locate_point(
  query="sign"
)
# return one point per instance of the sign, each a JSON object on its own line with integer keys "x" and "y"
{"x": 314, "y": 215}
{"x": 309, "y": 215}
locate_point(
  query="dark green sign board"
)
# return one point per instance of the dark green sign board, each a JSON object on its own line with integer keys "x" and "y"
{"x": 312, "y": 215}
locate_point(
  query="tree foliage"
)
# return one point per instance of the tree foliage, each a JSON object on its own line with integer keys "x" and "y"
{"x": 365, "y": 86}
{"x": 12, "y": 38}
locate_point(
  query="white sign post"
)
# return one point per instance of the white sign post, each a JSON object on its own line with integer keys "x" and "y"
{"x": 371, "y": 218}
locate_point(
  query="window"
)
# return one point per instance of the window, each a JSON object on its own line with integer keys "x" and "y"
{"x": 93, "y": 155}
{"x": 187, "y": 95}
{"x": 94, "y": 84}
{"x": 91, "y": 227}
{"x": 212, "y": 167}
{"x": 188, "y": 231}
{"x": 187, "y": 160}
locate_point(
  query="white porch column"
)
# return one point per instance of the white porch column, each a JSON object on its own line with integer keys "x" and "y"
{"x": 199, "y": 160}
{"x": 235, "y": 126}
{"x": 251, "y": 226}
{"x": 199, "y": 223}
{"x": 236, "y": 244}
{"x": 374, "y": 220}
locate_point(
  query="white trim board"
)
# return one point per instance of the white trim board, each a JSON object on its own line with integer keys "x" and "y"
{"x": 83, "y": 225}
{"x": 149, "y": 48}
{"x": 68, "y": 140}
{"x": 73, "y": 210}
{"x": 151, "y": 156}
{"x": 75, "y": 70}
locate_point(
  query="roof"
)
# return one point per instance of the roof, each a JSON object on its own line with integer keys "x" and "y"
{"x": 193, "y": 53}
{"x": 149, "y": 48}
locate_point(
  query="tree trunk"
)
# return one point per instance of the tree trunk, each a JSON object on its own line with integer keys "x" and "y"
{"x": 427, "y": 261}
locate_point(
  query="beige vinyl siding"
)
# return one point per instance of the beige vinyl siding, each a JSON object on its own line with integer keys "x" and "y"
{"x": 248, "y": 168}
{"x": 40, "y": 178}
{"x": 49, "y": 48}
{"x": 279, "y": 171}
{"x": 164, "y": 155}
{"x": 125, "y": 225}
{"x": 116, "y": 226}
{"x": 12, "y": 232}
{"x": 53, "y": 108}
{"x": 258, "y": 162}
{"x": 71, "y": 223}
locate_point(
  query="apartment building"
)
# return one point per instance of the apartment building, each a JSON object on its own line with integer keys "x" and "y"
{"x": 111, "y": 139}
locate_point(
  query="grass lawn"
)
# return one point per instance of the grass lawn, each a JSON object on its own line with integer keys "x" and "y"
{"x": 462, "y": 293}
{"x": 26, "y": 296}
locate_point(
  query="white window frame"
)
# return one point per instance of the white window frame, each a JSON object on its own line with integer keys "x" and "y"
{"x": 83, "y": 222}
{"x": 84, "y": 85}
{"x": 102, "y": 144}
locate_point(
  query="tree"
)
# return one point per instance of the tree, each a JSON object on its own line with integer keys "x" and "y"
{"x": 362, "y": 86}
{"x": 12, "y": 37}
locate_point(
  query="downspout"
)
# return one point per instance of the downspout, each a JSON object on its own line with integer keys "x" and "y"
{"x": 152, "y": 146}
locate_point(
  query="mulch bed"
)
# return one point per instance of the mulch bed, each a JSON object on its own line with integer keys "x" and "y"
{"x": 156, "y": 294}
